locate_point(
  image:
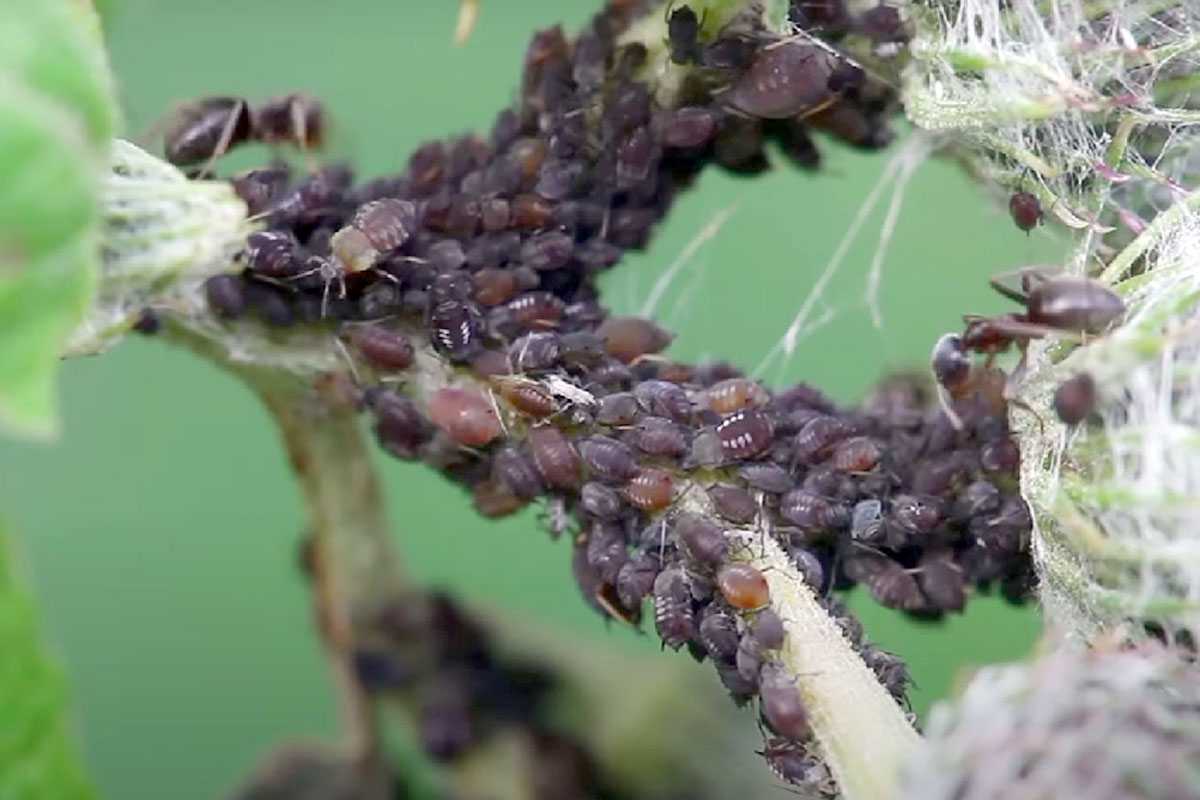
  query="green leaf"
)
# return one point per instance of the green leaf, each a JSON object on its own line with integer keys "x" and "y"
{"x": 56, "y": 126}
{"x": 38, "y": 759}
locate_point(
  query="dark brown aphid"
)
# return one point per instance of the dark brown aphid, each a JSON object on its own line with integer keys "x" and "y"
{"x": 547, "y": 251}
{"x": 916, "y": 515}
{"x": 857, "y": 454}
{"x": 518, "y": 472}
{"x": 866, "y": 522}
{"x": 664, "y": 399}
{"x": 741, "y": 691}
{"x": 618, "y": 410}
{"x": 809, "y": 567}
{"x": 733, "y": 503}
{"x": 702, "y": 540}
{"x": 206, "y": 129}
{"x": 673, "y": 616}
{"x": 530, "y": 212}
{"x": 606, "y": 552}
{"x": 768, "y": 629}
{"x": 637, "y": 577}
{"x": 743, "y": 587}
{"x": 749, "y": 658}
{"x": 789, "y": 762}
{"x": 706, "y": 450}
{"x": 608, "y": 459}
{"x": 1026, "y": 211}
{"x": 555, "y": 457}
{"x": 735, "y": 394}
{"x": 659, "y": 436}
{"x": 528, "y": 397}
{"x": 785, "y": 80}
{"x": 637, "y": 155}
{"x": 226, "y": 295}
{"x": 690, "y": 127}
{"x": 891, "y": 585}
{"x": 1075, "y": 399}
{"x": 259, "y": 187}
{"x": 382, "y": 348}
{"x": 890, "y": 669}
{"x": 465, "y": 415}
{"x": 399, "y": 426}
{"x": 719, "y": 634}
{"x": 745, "y": 434}
{"x": 534, "y": 352}
{"x": 494, "y": 286}
{"x": 683, "y": 35}
{"x": 387, "y": 223}
{"x": 942, "y": 580}
{"x": 812, "y": 513}
{"x": 600, "y": 501}
{"x": 272, "y": 253}
{"x": 494, "y": 499}
{"x": 782, "y": 708}
{"x": 816, "y": 440}
{"x": 537, "y": 310}
{"x": 1000, "y": 455}
{"x": 629, "y": 338}
{"x": 766, "y": 477}
{"x": 650, "y": 490}
{"x": 882, "y": 24}
{"x": 454, "y": 330}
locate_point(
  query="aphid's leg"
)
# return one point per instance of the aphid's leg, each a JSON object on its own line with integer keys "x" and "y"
{"x": 337, "y": 340}
{"x": 387, "y": 276}
{"x": 222, "y": 145}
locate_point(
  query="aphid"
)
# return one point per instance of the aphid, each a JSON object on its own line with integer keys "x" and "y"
{"x": 741, "y": 691}
{"x": 784, "y": 80}
{"x": 719, "y": 634}
{"x": 736, "y": 394}
{"x": 706, "y": 450}
{"x": 226, "y": 295}
{"x": 683, "y": 35}
{"x": 882, "y": 24}
{"x": 272, "y": 253}
{"x": 659, "y": 436}
{"x": 768, "y": 629}
{"x": 608, "y": 459}
{"x": 789, "y": 762}
{"x": 782, "y": 708}
{"x": 890, "y": 669}
{"x": 559, "y": 179}
{"x": 857, "y": 454}
{"x": 399, "y": 426}
{"x": 528, "y": 397}
{"x": 812, "y": 513}
{"x": 494, "y": 286}
{"x": 518, "y": 472}
{"x": 444, "y": 725}
{"x": 581, "y": 348}
{"x": 606, "y": 552}
{"x": 1075, "y": 399}
{"x": 817, "y": 438}
{"x": 555, "y": 457}
{"x": 942, "y": 580}
{"x": 749, "y": 658}
{"x": 494, "y": 499}
{"x": 454, "y": 330}
{"x": 530, "y": 212}
{"x": 258, "y": 187}
{"x": 915, "y": 515}
{"x": 465, "y": 415}
{"x": 1026, "y": 211}
{"x": 809, "y": 567}
{"x": 600, "y": 501}
{"x": 1000, "y": 455}
{"x": 382, "y": 348}
{"x": 637, "y": 577}
{"x": 536, "y": 310}
{"x": 673, "y": 616}
{"x": 534, "y": 352}
{"x": 891, "y": 584}
{"x": 147, "y": 323}
{"x": 547, "y": 251}
{"x": 690, "y": 127}
{"x": 766, "y": 477}
{"x": 378, "y": 301}
{"x": 205, "y": 129}
{"x": 650, "y": 490}
{"x": 446, "y": 255}
{"x": 733, "y": 503}
{"x": 618, "y": 410}
{"x": 629, "y": 338}
{"x": 745, "y": 434}
{"x": 387, "y": 223}
{"x": 637, "y": 155}
{"x": 702, "y": 540}
{"x": 743, "y": 586}
{"x": 664, "y": 399}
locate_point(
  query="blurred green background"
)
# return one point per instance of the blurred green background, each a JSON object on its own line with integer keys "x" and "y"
{"x": 160, "y": 532}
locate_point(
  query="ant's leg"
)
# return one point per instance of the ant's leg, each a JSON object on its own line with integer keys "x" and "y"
{"x": 222, "y": 147}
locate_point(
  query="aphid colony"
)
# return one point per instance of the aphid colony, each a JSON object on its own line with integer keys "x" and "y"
{"x": 486, "y": 250}
{"x": 488, "y": 239}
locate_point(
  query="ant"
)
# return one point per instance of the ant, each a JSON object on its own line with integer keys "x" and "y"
{"x": 1055, "y": 305}
{"x": 204, "y": 130}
